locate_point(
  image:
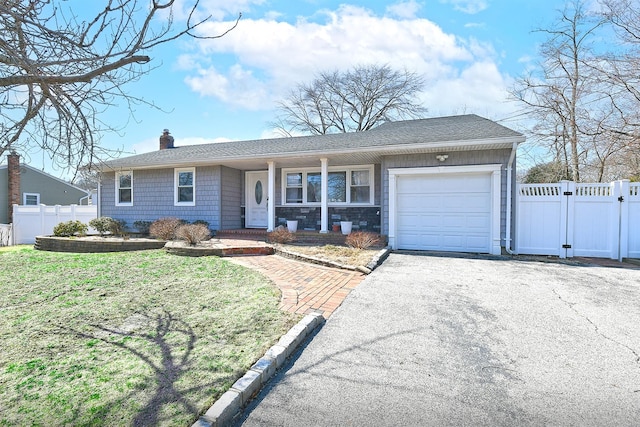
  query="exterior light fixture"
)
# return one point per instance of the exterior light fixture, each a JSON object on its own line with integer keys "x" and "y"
{"x": 442, "y": 157}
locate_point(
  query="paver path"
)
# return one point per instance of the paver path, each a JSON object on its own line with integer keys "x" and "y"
{"x": 306, "y": 288}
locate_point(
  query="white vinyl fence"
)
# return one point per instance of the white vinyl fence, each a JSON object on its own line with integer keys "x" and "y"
{"x": 573, "y": 219}
{"x": 32, "y": 221}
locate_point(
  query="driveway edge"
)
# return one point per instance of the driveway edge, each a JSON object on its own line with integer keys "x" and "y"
{"x": 366, "y": 269}
{"x": 224, "y": 410}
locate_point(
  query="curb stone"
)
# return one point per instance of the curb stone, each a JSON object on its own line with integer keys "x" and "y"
{"x": 225, "y": 409}
{"x": 375, "y": 262}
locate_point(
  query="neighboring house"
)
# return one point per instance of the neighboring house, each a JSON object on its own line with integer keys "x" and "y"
{"x": 433, "y": 184}
{"x": 24, "y": 185}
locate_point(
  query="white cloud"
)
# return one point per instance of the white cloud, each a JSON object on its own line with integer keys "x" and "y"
{"x": 237, "y": 87}
{"x": 269, "y": 57}
{"x": 478, "y": 89}
{"x": 404, "y": 10}
{"x": 468, "y": 6}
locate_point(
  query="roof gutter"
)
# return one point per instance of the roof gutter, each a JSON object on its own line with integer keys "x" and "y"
{"x": 508, "y": 239}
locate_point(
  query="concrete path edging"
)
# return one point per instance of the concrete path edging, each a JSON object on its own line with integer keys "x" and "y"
{"x": 365, "y": 269}
{"x": 230, "y": 404}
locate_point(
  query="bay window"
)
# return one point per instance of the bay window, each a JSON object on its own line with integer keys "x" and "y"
{"x": 351, "y": 185}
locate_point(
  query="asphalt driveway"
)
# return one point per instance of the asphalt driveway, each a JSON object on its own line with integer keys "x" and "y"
{"x": 468, "y": 341}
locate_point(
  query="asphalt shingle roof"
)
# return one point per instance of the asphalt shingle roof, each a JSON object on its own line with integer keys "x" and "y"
{"x": 425, "y": 132}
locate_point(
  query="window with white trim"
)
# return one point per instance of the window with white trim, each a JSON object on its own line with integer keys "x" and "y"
{"x": 124, "y": 188}
{"x": 351, "y": 185}
{"x": 185, "y": 187}
{"x": 31, "y": 199}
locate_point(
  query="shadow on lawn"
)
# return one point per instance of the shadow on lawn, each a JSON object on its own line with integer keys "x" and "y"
{"x": 175, "y": 359}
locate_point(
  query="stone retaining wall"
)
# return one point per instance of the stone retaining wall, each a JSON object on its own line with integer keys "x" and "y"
{"x": 105, "y": 244}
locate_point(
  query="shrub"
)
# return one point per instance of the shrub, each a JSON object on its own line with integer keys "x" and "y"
{"x": 281, "y": 235}
{"x": 193, "y": 233}
{"x": 105, "y": 225}
{"x": 164, "y": 228}
{"x": 118, "y": 227}
{"x": 362, "y": 239}
{"x": 142, "y": 226}
{"x": 101, "y": 225}
{"x": 201, "y": 221}
{"x": 70, "y": 228}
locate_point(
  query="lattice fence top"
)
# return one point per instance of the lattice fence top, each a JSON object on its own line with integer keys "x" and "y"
{"x": 593, "y": 190}
{"x": 540, "y": 190}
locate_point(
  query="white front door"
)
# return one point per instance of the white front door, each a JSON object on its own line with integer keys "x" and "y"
{"x": 256, "y": 211}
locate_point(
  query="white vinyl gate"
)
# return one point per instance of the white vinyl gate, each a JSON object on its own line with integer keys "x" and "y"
{"x": 573, "y": 219}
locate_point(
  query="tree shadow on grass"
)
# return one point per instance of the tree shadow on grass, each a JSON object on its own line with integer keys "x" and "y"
{"x": 175, "y": 359}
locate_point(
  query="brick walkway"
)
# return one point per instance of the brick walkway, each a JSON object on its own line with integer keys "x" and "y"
{"x": 306, "y": 288}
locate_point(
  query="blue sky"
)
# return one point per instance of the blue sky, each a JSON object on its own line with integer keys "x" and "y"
{"x": 469, "y": 52}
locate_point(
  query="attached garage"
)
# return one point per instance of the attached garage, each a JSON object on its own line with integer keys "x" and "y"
{"x": 451, "y": 209}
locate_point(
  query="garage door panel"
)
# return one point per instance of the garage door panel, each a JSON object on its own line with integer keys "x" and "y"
{"x": 446, "y": 213}
{"x": 480, "y": 222}
{"x": 477, "y": 243}
{"x": 425, "y": 241}
{"x": 467, "y": 202}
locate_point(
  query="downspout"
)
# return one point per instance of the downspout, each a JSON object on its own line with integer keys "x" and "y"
{"x": 507, "y": 239}
{"x": 99, "y": 196}
{"x": 85, "y": 197}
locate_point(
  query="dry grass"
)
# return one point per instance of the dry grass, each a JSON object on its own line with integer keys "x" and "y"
{"x": 340, "y": 254}
{"x": 135, "y": 338}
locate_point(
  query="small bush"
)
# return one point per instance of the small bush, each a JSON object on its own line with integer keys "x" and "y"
{"x": 193, "y": 233}
{"x": 201, "y": 221}
{"x": 70, "y": 228}
{"x": 362, "y": 239}
{"x": 142, "y": 226}
{"x": 118, "y": 227}
{"x": 281, "y": 235}
{"x": 105, "y": 225}
{"x": 165, "y": 228}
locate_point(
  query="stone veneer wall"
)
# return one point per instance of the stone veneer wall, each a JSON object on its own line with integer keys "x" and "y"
{"x": 364, "y": 218}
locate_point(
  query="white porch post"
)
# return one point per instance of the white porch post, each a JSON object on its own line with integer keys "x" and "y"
{"x": 392, "y": 211}
{"x": 271, "y": 197}
{"x": 324, "y": 205}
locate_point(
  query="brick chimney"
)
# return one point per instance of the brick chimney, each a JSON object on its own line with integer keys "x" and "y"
{"x": 13, "y": 175}
{"x": 166, "y": 140}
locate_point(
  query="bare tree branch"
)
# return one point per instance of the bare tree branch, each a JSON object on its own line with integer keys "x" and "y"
{"x": 60, "y": 70}
{"x": 356, "y": 100}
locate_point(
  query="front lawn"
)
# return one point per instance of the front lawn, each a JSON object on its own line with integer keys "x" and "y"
{"x": 130, "y": 338}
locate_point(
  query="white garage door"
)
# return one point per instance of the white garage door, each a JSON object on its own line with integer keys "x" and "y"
{"x": 444, "y": 212}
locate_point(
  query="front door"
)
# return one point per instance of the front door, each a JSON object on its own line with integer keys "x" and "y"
{"x": 256, "y": 206}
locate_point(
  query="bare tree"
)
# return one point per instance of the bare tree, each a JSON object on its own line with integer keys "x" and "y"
{"x": 355, "y": 100}
{"x": 584, "y": 100}
{"x": 561, "y": 97}
{"x": 61, "y": 68}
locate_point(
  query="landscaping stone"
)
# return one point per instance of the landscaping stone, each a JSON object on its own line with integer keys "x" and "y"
{"x": 223, "y": 411}
{"x": 248, "y": 385}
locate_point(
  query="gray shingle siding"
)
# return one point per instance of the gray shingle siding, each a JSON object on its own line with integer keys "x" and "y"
{"x": 231, "y": 198}
{"x": 153, "y": 197}
{"x": 459, "y": 158}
